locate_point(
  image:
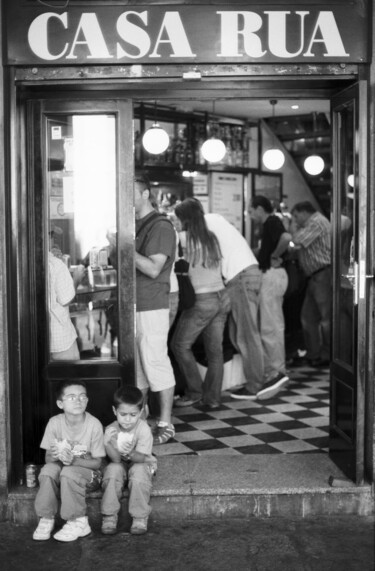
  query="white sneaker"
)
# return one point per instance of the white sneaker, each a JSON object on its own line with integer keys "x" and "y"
{"x": 139, "y": 526}
{"x": 73, "y": 529}
{"x": 44, "y": 529}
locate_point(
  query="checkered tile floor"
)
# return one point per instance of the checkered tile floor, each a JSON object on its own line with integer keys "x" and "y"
{"x": 295, "y": 420}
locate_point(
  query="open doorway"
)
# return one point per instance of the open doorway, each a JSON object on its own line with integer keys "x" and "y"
{"x": 297, "y": 420}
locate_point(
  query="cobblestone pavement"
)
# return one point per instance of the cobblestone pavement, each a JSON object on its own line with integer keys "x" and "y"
{"x": 329, "y": 543}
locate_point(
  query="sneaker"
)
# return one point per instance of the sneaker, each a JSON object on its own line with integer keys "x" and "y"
{"x": 243, "y": 394}
{"x": 185, "y": 401}
{"x": 44, "y": 529}
{"x": 73, "y": 529}
{"x": 272, "y": 387}
{"x": 163, "y": 433}
{"x": 139, "y": 526}
{"x": 109, "y": 524}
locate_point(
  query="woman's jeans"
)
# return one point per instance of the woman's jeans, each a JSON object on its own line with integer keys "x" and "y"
{"x": 207, "y": 316}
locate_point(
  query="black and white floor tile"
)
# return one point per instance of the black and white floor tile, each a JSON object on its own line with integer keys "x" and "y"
{"x": 295, "y": 420}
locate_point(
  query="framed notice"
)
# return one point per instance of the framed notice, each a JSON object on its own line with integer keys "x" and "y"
{"x": 226, "y": 197}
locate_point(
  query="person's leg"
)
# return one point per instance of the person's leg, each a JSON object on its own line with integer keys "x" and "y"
{"x": 310, "y": 321}
{"x": 47, "y": 498}
{"x": 74, "y": 480}
{"x": 140, "y": 485}
{"x": 113, "y": 484}
{"x": 244, "y": 327}
{"x": 152, "y": 344}
{"x": 272, "y": 324}
{"x": 321, "y": 290}
{"x": 173, "y": 307}
{"x": 191, "y": 323}
{"x": 213, "y": 345}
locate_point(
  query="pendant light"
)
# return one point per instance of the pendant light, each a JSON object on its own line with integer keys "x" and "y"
{"x": 156, "y": 139}
{"x": 273, "y": 158}
{"x": 213, "y": 149}
{"x": 314, "y": 164}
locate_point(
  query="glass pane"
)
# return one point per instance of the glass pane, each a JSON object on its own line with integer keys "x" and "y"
{"x": 82, "y": 276}
{"x": 346, "y": 254}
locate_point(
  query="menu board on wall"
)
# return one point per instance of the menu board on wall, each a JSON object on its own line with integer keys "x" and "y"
{"x": 227, "y": 197}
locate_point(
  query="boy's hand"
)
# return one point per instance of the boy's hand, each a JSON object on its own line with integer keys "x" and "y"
{"x": 66, "y": 457}
{"x": 125, "y": 447}
{"x": 110, "y": 436}
{"x": 54, "y": 452}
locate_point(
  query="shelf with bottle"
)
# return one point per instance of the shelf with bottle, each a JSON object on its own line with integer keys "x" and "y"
{"x": 187, "y": 134}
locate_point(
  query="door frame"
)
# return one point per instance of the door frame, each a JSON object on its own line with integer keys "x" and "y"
{"x": 162, "y": 92}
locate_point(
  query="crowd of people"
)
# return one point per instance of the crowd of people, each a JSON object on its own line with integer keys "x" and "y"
{"x": 232, "y": 284}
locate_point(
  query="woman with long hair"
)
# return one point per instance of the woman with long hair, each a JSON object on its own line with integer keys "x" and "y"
{"x": 208, "y": 314}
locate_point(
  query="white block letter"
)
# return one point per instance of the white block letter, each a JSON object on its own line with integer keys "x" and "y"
{"x": 230, "y": 33}
{"x": 38, "y": 35}
{"x": 133, "y": 35}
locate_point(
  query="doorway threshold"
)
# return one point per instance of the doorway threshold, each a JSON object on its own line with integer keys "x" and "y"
{"x": 197, "y": 487}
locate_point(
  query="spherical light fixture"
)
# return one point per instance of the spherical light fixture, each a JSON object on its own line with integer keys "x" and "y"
{"x": 213, "y": 150}
{"x": 351, "y": 180}
{"x": 313, "y": 165}
{"x": 273, "y": 159}
{"x": 155, "y": 140}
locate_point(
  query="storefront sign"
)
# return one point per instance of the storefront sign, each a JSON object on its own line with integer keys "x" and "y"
{"x": 116, "y": 34}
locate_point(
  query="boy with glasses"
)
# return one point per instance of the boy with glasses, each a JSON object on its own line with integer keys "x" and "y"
{"x": 74, "y": 448}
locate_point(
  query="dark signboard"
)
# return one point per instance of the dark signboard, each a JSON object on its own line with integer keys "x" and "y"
{"x": 261, "y": 32}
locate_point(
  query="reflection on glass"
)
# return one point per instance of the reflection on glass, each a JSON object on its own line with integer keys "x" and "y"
{"x": 82, "y": 228}
{"x": 344, "y": 308}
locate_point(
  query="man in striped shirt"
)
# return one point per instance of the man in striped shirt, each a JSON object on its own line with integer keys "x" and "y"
{"x": 312, "y": 238}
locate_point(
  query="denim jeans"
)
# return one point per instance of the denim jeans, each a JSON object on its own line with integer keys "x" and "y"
{"x": 272, "y": 323}
{"x": 67, "y": 482}
{"x": 140, "y": 485}
{"x": 244, "y": 332}
{"x": 316, "y": 315}
{"x": 207, "y": 316}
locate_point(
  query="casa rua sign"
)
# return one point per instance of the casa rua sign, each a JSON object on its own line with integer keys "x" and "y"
{"x": 171, "y": 34}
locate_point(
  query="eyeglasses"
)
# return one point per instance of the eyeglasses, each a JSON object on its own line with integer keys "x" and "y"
{"x": 75, "y": 398}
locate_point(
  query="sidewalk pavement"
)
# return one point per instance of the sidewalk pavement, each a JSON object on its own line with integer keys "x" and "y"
{"x": 335, "y": 543}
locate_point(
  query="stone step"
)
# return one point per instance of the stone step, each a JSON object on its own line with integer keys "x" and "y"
{"x": 192, "y": 486}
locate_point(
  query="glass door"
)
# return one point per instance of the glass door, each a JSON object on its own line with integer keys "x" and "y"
{"x": 350, "y": 326}
{"x": 80, "y": 202}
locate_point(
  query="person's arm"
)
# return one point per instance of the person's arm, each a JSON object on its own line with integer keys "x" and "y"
{"x": 150, "y": 266}
{"x": 281, "y": 248}
{"x": 110, "y": 435}
{"x": 87, "y": 462}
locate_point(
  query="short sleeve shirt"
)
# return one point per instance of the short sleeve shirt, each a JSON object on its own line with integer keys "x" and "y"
{"x": 273, "y": 228}
{"x": 158, "y": 238}
{"x": 142, "y": 439}
{"x": 90, "y": 438}
{"x": 61, "y": 292}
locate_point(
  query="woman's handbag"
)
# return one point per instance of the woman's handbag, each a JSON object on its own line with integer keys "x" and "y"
{"x": 186, "y": 291}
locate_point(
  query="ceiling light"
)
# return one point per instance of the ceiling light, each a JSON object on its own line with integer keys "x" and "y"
{"x": 213, "y": 149}
{"x": 273, "y": 159}
{"x": 295, "y": 106}
{"x": 351, "y": 180}
{"x": 156, "y": 139}
{"x": 314, "y": 164}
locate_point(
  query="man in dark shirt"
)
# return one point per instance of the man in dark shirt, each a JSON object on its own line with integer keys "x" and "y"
{"x": 154, "y": 258}
{"x": 274, "y": 243}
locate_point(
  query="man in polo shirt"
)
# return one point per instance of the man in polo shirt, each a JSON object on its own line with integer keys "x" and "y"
{"x": 154, "y": 258}
{"x": 312, "y": 238}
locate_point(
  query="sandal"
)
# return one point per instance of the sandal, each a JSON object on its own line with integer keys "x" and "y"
{"x": 163, "y": 434}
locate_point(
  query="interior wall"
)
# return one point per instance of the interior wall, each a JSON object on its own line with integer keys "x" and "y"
{"x": 295, "y": 188}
